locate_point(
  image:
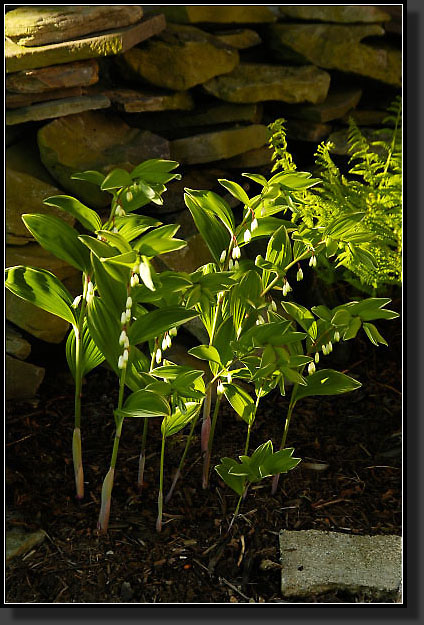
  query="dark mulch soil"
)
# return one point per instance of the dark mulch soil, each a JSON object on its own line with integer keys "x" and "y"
{"x": 194, "y": 559}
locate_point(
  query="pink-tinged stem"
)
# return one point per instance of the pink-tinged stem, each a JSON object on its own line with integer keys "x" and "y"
{"x": 208, "y": 454}
{"x": 77, "y": 459}
{"x": 103, "y": 521}
{"x": 274, "y": 486}
{"x": 174, "y": 481}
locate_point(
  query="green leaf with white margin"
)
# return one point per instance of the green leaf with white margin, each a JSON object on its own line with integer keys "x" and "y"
{"x": 212, "y": 202}
{"x": 145, "y": 273}
{"x": 86, "y": 216}
{"x": 95, "y": 177}
{"x": 59, "y": 238}
{"x": 326, "y": 382}
{"x": 279, "y": 462}
{"x": 373, "y": 334}
{"x": 155, "y": 323}
{"x": 132, "y": 226}
{"x": 371, "y": 309}
{"x": 155, "y": 170}
{"x": 178, "y": 420}
{"x": 41, "y": 288}
{"x": 236, "y": 190}
{"x": 91, "y": 355}
{"x": 113, "y": 292}
{"x": 240, "y": 401}
{"x": 235, "y": 482}
{"x": 144, "y": 404}
{"x": 352, "y": 329}
{"x": 257, "y": 178}
{"x": 116, "y": 179}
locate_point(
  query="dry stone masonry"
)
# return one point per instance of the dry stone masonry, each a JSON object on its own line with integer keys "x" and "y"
{"x": 102, "y": 86}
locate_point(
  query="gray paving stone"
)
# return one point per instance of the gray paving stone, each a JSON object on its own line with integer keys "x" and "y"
{"x": 315, "y": 562}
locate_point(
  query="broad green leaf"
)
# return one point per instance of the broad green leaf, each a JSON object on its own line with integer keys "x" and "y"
{"x": 212, "y": 202}
{"x": 125, "y": 260}
{"x": 59, "y": 238}
{"x": 371, "y": 309}
{"x": 341, "y": 318}
{"x": 235, "y": 482}
{"x": 224, "y": 335}
{"x": 115, "y": 239}
{"x": 236, "y": 190}
{"x": 159, "y": 241}
{"x": 212, "y": 230}
{"x": 294, "y": 180}
{"x": 41, "y": 288}
{"x": 155, "y": 170}
{"x": 89, "y": 176}
{"x": 171, "y": 372}
{"x": 352, "y": 329}
{"x": 178, "y": 420}
{"x": 91, "y": 356}
{"x": 101, "y": 251}
{"x": 86, "y": 216}
{"x": 144, "y": 404}
{"x": 326, "y": 382}
{"x": 302, "y": 316}
{"x": 279, "y": 462}
{"x": 116, "y": 179}
{"x": 373, "y": 334}
{"x": 241, "y": 401}
{"x": 205, "y": 352}
{"x": 322, "y": 312}
{"x": 257, "y": 178}
{"x": 132, "y": 226}
{"x": 112, "y": 292}
{"x": 155, "y": 323}
{"x": 279, "y": 252}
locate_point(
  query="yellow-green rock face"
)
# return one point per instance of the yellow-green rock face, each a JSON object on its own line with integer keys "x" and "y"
{"x": 213, "y": 146}
{"x": 222, "y": 14}
{"x": 97, "y": 45}
{"x": 334, "y": 46}
{"x": 242, "y": 38}
{"x": 39, "y": 323}
{"x": 39, "y": 25}
{"x": 96, "y": 141}
{"x": 140, "y": 101}
{"x": 178, "y": 59}
{"x": 256, "y": 82}
{"x": 335, "y": 13}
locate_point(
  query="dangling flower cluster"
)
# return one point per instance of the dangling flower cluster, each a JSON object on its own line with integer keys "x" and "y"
{"x": 316, "y": 357}
{"x": 90, "y": 292}
{"x": 223, "y": 256}
{"x": 313, "y": 261}
{"x": 337, "y": 336}
{"x": 236, "y": 253}
{"x": 272, "y": 307}
{"x": 166, "y": 341}
{"x": 128, "y": 196}
{"x": 327, "y": 349}
{"x": 220, "y": 388}
{"x": 260, "y": 320}
{"x": 119, "y": 211}
{"x": 76, "y": 301}
{"x": 311, "y": 368}
{"x": 299, "y": 275}
{"x": 286, "y": 287}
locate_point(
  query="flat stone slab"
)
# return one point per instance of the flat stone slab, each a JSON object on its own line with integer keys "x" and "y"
{"x": 221, "y": 14}
{"x": 94, "y": 141}
{"x": 108, "y": 43}
{"x": 18, "y": 542}
{"x": 337, "y": 104}
{"x": 240, "y": 38}
{"x": 22, "y": 380}
{"x": 256, "y": 82}
{"x": 78, "y": 74}
{"x": 307, "y": 131}
{"x": 39, "y": 25}
{"x": 139, "y": 101}
{"x": 56, "y": 108}
{"x": 211, "y": 115}
{"x": 16, "y": 345}
{"x": 179, "y": 58}
{"x": 315, "y": 562}
{"x": 214, "y": 146}
{"x": 333, "y": 13}
{"x": 258, "y": 157}
{"x": 21, "y": 100}
{"x": 35, "y": 321}
{"x": 337, "y": 46}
